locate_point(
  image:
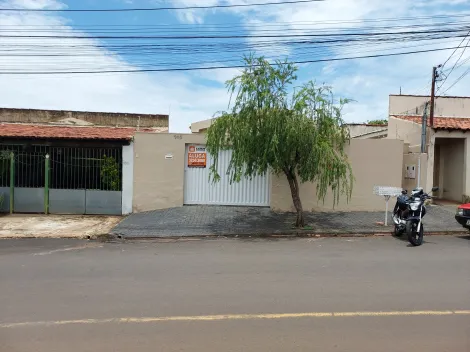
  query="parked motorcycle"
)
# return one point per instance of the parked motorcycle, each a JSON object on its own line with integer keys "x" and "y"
{"x": 400, "y": 213}
{"x": 408, "y": 214}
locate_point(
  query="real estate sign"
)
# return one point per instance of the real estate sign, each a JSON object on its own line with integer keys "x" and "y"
{"x": 197, "y": 156}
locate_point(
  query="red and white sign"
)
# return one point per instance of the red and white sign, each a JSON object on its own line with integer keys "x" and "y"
{"x": 197, "y": 156}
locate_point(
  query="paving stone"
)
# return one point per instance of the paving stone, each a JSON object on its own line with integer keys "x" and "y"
{"x": 220, "y": 220}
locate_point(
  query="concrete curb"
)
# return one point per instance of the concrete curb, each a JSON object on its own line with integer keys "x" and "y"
{"x": 294, "y": 234}
{"x": 29, "y": 237}
{"x": 56, "y": 236}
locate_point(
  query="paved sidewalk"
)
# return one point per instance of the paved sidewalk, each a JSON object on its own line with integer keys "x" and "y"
{"x": 230, "y": 221}
{"x": 55, "y": 226}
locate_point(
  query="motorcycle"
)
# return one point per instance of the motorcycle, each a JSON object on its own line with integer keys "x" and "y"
{"x": 408, "y": 214}
{"x": 400, "y": 213}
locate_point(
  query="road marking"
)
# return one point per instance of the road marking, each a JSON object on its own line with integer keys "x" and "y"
{"x": 68, "y": 249}
{"x": 195, "y": 318}
{"x": 390, "y": 314}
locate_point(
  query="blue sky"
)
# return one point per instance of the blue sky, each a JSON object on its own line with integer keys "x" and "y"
{"x": 197, "y": 95}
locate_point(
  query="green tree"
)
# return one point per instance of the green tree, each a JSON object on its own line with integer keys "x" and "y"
{"x": 110, "y": 173}
{"x": 378, "y": 122}
{"x": 298, "y": 132}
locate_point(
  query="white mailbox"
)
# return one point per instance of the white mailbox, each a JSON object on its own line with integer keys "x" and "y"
{"x": 387, "y": 192}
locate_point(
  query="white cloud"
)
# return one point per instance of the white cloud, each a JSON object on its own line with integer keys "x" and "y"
{"x": 368, "y": 81}
{"x": 154, "y": 93}
{"x": 374, "y": 80}
{"x": 190, "y": 16}
{"x": 218, "y": 75}
{"x": 33, "y": 4}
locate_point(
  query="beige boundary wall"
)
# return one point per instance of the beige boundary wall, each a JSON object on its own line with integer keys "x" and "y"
{"x": 84, "y": 118}
{"x": 356, "y": 130}
{"x": 159, "y": 182}
{"x": 443, "y": 106}
{"x": 159, "y": 174}
{"x": 375, "y": 162}
{"x": 412, "y": 159}
{"x": 407, "y": 131}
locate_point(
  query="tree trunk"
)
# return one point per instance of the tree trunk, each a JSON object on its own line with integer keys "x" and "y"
{"x": 294, "y": 190}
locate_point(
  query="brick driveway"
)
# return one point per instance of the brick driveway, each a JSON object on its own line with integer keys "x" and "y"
{"x": 225, "y": 221}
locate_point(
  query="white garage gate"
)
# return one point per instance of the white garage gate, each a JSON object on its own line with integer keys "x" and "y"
{"x": 198, "y": 189}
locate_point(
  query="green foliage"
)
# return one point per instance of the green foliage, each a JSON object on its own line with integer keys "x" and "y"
{"x": 378, "y": 122}
{"x": 272, "y": 126}
{"x": 110, "y": 173}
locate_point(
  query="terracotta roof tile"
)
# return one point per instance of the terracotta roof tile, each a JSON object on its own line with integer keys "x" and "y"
{"x": 65, "y": 132}
{"x": 441, "y": 123}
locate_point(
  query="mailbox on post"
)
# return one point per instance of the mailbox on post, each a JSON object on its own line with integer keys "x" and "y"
{"x": 387, "y": 192}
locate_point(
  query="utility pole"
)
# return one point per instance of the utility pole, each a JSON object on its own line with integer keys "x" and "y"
{"x": 423, "y": 128}
{"x": 435, "y": 75}
{"x": 423, "y": 141}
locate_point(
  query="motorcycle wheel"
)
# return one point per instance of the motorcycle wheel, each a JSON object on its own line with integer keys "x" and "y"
{"x": 396, "y": 228}
{"x": 396, "y": 231}
{"x": 414, "y": 237}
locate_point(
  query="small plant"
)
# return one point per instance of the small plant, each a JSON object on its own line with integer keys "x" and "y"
{"x": 110, "y": 173}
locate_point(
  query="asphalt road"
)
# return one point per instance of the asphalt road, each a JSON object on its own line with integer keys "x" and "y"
{"x": 369, "y": 294}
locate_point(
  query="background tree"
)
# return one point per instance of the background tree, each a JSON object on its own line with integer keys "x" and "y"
{"x": 271, "y": 126}
{"x": 109, "y": 172}
{"x": 378, "y": 122}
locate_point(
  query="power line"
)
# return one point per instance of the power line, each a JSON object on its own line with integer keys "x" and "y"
{"x": 453, "y": 67}
{"x": 422, "y": 33}
{"x": 147, "y": 55}
{"x": 457, "y": 80}
{"x": 286, "y": 38}
{"x": 214, "y": 67}
{"x": 259, "y": 28}
{"x": 170, "y": 46}
{"x": 457, "y": 26}
{"x": 153, "y": 61}
{"x": 249, "y": 25}
{"x": 454, "y": 51}
{"x": 349, "y": 34}
{"x": 162, "y": 8}
{"x": 386, "y": 115}
{"x": 456, "y": 62}
{"x": 138, "y": 51}
{"x": 463, "y": 62}
{"x": 145, "y": 52}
